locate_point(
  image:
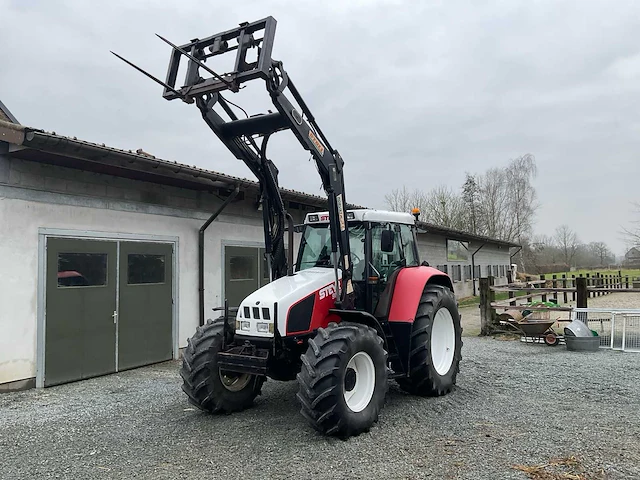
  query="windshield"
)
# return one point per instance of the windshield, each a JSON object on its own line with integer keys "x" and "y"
{"x": 315, "y": 249}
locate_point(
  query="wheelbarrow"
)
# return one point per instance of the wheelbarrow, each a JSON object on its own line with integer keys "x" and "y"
{"x": 531, "y": 328}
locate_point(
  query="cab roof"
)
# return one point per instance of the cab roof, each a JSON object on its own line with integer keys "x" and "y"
{"x": 364, "y": 215}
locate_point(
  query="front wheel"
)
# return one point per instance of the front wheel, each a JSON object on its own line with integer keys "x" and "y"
{"x": 436, "y": 344}
{"x": 343, "y": 380}
{"x": 209, "y": 388}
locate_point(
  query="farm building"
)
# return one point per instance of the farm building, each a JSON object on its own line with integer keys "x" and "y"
{"x": 101, "y": 254}
{"x": 632, "y": 257}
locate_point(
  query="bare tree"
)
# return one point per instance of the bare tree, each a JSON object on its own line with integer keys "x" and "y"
{"x": 632, "y": 232}
{"x": 471, "y": 198}
{"x": 600, "y": 251}
{"x": 402, "y": 200}
{"x": 498, "y": 203}
{"x": 444, "y": 207}
{"x": 494, "y": 205}
{"x": 399, "y": 200}
{"x": 522, "y": 195}
{"x": 567, "y": 241}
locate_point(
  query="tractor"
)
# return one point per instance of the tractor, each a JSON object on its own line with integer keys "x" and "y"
{"x": 356, "y": 308}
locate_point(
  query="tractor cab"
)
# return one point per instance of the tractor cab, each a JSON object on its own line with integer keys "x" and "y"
{"x": 380, "y": 243}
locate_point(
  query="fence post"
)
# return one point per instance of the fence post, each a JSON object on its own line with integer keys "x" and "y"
{"x": 626, "y": 281}
{"x": 619, "y": 278}
{"x": 582, "y": 292}
{"x": 589, "y": 283}
{"x": 544, "y": 285}
{"x": 511, "y": 295}
{"x": 573, "y": 285}
{"x": 554, "y": 284}
{"x": 564, "y": 285}
{"x": 487, "y": 313}
{"x": 528, "y": 279}
{"x": 599, "y": 283}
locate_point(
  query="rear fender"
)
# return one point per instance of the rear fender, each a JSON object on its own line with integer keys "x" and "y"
{"x": 408, "y": 289}
{"x": 406, "y": 295}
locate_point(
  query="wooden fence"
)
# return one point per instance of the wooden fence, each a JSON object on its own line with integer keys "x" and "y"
{"x": 559, "y": 290}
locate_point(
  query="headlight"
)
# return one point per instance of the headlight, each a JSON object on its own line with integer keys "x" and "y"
{"x": 262, "y": 327}
{"x": 245, "y": 326}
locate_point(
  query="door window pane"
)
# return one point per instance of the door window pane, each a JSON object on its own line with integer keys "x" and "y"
{"x": 457, "y": 251}
{"x": 82, "y": 269}
{"x": 242, "y": 268}
{"x": 144, "y": 268}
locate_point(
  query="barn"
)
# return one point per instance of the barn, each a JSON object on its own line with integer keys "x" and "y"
{"x": 111, "y": 258}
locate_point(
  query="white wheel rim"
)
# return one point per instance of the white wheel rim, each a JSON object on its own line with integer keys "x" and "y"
{"x": 359, "y": 382}
{"x": 443, "y": 341}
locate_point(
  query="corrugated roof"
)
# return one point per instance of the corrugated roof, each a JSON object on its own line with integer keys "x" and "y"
{"x": 454, "y": 234}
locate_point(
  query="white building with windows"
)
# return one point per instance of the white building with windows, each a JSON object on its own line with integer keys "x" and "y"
{"x": 101, "y": 254}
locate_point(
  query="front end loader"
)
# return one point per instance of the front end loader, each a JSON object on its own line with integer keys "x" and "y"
{"x": 354, "y": 310}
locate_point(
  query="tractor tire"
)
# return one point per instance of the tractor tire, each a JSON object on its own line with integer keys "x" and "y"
{"x": 436, "y": 344}
{"x": 343, "y": 380}
{"x": 207, "y": 387}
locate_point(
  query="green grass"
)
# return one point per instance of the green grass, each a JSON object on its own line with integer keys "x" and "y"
{"x": 472, "y": 301}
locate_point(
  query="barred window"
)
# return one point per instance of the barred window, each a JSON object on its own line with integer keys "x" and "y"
{"x": 456, "y": 273}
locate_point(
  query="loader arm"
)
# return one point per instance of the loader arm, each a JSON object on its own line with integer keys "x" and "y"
{"x": 247, "y": 137}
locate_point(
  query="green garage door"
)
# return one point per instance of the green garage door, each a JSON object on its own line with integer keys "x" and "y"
{"x": 145, "y": 310}
{"x": 80, "y": 332}
{"x": 109, "y": 307}
{"x": 246, "y": 270}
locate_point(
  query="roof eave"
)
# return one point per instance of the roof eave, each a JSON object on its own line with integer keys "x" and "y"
{"x": 454, "y": 234}
{"x": 130, "y": 164}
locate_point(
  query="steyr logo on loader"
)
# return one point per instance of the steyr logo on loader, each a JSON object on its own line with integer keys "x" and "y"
{"x": 329, "y": 290}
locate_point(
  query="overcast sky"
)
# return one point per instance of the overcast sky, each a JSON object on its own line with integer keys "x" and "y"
{"x": 411, "y": 93}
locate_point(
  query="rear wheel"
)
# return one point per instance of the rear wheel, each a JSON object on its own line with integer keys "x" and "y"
{"x": 436, "y": 344}
{"x": 343, "y": 380}
{"x": 208, "y": 387}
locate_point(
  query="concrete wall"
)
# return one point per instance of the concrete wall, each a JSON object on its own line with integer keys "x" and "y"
{"x": 34, "y": 196}
{"x": 433, "y": 249}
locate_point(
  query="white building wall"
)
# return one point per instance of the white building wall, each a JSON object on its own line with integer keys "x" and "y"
{"x": 19, "y": 251}
{"x": 34, "y": 196}
{"x": 433, "y": 249}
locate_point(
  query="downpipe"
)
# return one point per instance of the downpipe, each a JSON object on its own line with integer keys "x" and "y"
{"x": 473, "y": 268}
{"x": 206, "y": 224}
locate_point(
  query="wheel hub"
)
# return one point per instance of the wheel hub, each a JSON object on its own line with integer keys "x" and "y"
{"x": 234, "y": 382}
{"x": 350, "y": 379}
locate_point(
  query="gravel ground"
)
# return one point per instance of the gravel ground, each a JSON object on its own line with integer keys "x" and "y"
{"x": 514, "y": 404}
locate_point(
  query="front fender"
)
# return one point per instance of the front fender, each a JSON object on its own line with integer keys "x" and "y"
{"x": 408, "y": 289}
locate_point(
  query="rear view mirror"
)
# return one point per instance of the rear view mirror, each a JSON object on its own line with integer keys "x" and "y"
{"x": 387, "y": 240}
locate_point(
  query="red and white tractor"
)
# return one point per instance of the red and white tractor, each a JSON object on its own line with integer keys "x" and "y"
{"x": 405, "y": 326}
{"x": 357, "y": 307}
